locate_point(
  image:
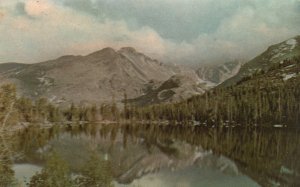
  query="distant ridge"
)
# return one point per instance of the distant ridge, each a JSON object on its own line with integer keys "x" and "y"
{"x": 274, "y": 54}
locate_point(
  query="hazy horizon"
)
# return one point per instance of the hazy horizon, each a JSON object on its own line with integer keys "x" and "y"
{"x": 175, "y": 31}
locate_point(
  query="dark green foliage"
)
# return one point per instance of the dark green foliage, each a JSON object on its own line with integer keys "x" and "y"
{"x": 14, "y": 110}
{"x": 55, "y": 174}
{"x": 7, "y": 103}
{"x": 96, "y": 173}
{"x": 6, "y": 172}
{"x": 25, "y": 107}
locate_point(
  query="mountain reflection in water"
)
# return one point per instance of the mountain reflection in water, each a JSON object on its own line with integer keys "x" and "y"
{"x": 162, "y": 155}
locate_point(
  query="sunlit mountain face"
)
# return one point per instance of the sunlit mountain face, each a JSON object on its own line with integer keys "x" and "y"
{"x": 102, "y": 77}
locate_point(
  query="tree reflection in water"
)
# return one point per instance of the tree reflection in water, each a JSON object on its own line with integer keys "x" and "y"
{"x": 6, "y": 172}
{"x": 267, "y": 155}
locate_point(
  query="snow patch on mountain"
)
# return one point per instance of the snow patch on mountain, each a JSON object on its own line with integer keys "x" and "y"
{"x": 292, "y": 42}
{"x": 45, "y": 81}
{"x": 289, "y": 76}
{"x": 280, "y": 54}
{"x": 284, "y": 48}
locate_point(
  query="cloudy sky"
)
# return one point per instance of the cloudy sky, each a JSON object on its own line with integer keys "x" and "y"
{"x": 181, "y": 31}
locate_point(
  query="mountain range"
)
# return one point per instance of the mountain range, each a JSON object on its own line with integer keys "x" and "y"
{"x": 110, "y": 75}
{"x": 103, "y": 76}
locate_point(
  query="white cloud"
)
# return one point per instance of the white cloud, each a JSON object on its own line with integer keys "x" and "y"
{"x": 55, "y": 31}
{"x": 37, "y": 8}
{"x": 243, "y": 35}
{"x": 50, "y": 29}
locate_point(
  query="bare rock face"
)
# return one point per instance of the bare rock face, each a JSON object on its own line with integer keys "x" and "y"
{"x": 99, "y": 77}
{"x": 216, "y": 74}
{"x": 177, "y": 88}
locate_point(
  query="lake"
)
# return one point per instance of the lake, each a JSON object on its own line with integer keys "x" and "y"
{"x": 155, "y": 155}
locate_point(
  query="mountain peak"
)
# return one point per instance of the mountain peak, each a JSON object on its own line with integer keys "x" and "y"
{"x": 127, "y": 50}
{"x": 132, "y": 53}
{"x": 66, "y": 57}
{"x": 105, "y": 51}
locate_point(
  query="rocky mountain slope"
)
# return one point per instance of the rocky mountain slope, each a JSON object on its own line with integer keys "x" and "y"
{"x": 102, "y": 76}
{"x": 218, "y": 73}
{"x": 6, "y": 67}
{"x": 273, "y": 55}
{"x": 176, "y": 88}
{"x": 188, "y": 83}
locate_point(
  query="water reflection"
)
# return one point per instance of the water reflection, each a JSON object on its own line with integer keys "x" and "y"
{"x": 152, "y": 155}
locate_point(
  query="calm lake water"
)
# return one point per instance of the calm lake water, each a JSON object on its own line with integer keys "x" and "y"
{"x": 166, "y": 156}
